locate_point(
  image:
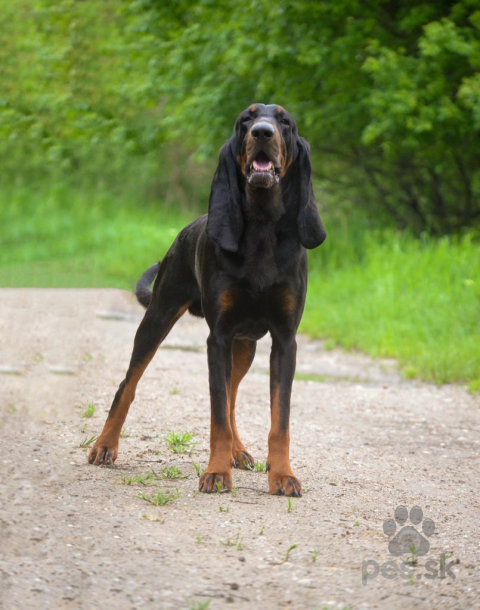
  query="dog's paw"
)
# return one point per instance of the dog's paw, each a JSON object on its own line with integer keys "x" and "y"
{"x": 103, "y": 453}
{"x": 284, "y": 484}
{"x": 215, "y": 481}
{"x": 242, "y": 459}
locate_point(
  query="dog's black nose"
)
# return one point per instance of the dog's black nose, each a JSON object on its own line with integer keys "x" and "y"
{"x": 263, "y": 131}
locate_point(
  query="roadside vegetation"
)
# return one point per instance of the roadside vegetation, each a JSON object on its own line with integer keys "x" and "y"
{"x": 371, "y": 288}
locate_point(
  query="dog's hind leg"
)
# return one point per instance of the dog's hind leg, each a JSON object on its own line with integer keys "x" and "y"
{"x": 169, "y": 301}
{"x": 243, "y": 352}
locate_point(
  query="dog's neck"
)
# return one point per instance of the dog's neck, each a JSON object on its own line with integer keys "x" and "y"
{"x": 263, "y": 208}
{"x": 264, "y": 205}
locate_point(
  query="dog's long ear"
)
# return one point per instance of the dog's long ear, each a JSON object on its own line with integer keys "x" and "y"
{"x": 310, "y": 227}
{"x": 225, "y": 220}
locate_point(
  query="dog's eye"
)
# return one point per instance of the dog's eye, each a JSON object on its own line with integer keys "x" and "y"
{"x": 284, "y": 121}
{"x": 246, "y": 119}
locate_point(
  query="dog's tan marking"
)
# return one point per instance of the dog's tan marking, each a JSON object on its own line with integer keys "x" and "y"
{"x": 227, "y": 302}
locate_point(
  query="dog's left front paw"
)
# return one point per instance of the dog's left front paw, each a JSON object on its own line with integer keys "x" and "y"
{"x": 284, "y": 484}
{"x": 215, "y": 481}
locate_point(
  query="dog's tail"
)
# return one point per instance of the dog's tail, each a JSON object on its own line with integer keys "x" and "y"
{"x": 143, "y": 290}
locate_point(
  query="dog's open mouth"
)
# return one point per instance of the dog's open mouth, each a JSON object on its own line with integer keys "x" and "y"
{"x": 262, "y": 171}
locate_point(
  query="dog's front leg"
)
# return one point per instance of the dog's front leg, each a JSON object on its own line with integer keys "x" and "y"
{"x": 218, "y": 475}
{"x": 281, "y": 479}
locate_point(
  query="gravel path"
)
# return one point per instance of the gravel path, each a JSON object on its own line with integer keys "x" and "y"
{"x": 363, "y": 443}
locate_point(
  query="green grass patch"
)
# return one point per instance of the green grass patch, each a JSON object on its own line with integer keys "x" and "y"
{"x": 416, "y": 301}
{"x": 65, "y": 237}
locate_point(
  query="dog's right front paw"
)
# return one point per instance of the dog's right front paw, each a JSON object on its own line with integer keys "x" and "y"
{"x": 103, "y": 453}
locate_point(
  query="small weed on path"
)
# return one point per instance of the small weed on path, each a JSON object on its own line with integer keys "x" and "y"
{"x": 160, "y": 499}
{"x": 153, "y": 518}
{"x": 87, "y": 442}
{"x": 180, "y": 443}
{"x": 140, "y": 479}
{"x": 172, "y": 472}
{"x": 201, "y": 605}
{"x": 198, "y": 469}
{"x": 236, "y": 542}
{"x": 257, "y": 467}
{"x": 89, "y": 411}
{"x": 286, "y": 557}
{"x": 412, "y": 559}
{"x": 169, "y": 472}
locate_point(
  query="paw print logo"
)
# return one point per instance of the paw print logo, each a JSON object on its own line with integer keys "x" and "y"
{"x": 408, "y": 536}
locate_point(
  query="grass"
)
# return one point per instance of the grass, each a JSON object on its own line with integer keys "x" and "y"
{"x": 413, "y": 558}
{"x": 415, "y": 300}
{"x": 257, "y": 467}
{"x": 60, "y": 236}
{"x": 87, "y": 442}
{"x": 89, "y": 411}
{"x": 200, "y": 605}
{"x": 168, "y": 472}
{"x": 180, "y": 443}
{"x": 291, "y": 548}
{"x": 198, "y": 469}
{"x": 237, "y": 542}
{"x": 172, "y": 473}
{"x": 160, "y": 499}
{"x": 140, "y": 479}
{"x": 380, "y": 291}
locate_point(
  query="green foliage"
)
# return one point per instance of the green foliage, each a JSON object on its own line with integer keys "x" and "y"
{"x": 388, "y": 95}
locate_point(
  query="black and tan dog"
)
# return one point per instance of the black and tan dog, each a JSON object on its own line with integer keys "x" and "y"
{"x": 244, "y": 268}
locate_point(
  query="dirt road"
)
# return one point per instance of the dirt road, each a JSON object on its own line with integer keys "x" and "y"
{"x": 363, "y": 443}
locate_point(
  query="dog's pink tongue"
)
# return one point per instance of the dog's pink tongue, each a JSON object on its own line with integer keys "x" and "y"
{"x": 262, "y": 165}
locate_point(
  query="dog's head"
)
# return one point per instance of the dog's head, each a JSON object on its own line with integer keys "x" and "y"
{"x": 264, "y": 152}
{"x": 264, "y": 138}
